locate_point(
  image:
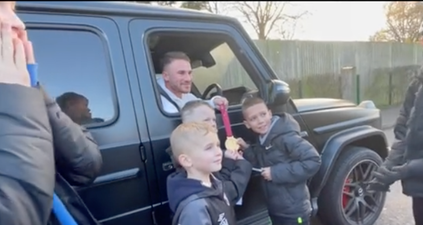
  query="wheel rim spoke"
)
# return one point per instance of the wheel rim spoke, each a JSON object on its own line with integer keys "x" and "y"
{"x": 361, "y": 172}
{"x": 360, "y": 204}
{"x": 367, "y": 206}
{"x": 368, "y": 172}
{"x": 356, "y": 174}
{"x": 372, "y": 200}
{"x": 358, "y": 214}
{"x": 350, "y": 184}
{"x": 351, "y": 207}
{"x": 348, "y": 193}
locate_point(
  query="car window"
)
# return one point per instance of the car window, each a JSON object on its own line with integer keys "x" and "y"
{"x": 73, "y": 66}
{"x": 228, "y": 72}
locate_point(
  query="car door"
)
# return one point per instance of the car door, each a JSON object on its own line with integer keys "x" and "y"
{"x": 83, "y": 55}
{"x": 161, "y": 124}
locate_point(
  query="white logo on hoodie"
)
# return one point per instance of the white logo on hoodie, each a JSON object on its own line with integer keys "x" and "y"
{"x": 222, "y": 219}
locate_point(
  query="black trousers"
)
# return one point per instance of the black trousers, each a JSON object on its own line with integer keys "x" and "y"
{"x": 418, "y": 210}
{"x": 289, "y": 221}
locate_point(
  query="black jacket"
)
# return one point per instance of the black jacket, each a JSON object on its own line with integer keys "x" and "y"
{"x": 396, "y": 155}
{"x": 292, "y": 161}
{"x": 78, "y": 160}
{"x": 26, "y": 157}
{"x": 234, "y": 175}
{"x": 407, "y": 149}
{"x": 76, "y": 153}
{"x": 412, "y": 181}
{"x": 213, "y": 208}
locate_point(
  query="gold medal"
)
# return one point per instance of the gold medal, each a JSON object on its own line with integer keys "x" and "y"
{"x": 231, "y": 144}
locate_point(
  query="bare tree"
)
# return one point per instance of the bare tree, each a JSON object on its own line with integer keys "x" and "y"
{"x": 215, "y": 7}
{"x": 212, "y": 7}
{"x": 403, "y": 20}
{"x": 166, "y": 3}
{"x": 197, "y": 5}
{"x": 162, "y": 3}
{"x": 287, "y": 28}
{"x": 269, "y": 16}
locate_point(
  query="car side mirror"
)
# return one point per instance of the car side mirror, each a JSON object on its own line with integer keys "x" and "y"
{"x": 278, "y": 92}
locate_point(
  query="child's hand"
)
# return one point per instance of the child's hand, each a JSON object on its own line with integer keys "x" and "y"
{"x": 266, "y": 174}
{"x": 242, "y": 143}
{"x": 240, "y": 152}
{"x": 232, "y": 155}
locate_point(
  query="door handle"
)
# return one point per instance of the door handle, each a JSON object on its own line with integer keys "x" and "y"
{"x": 167, "y": 166}
{"x": 117, "y": 176}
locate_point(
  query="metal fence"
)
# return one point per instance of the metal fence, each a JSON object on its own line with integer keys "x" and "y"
{"x": 350, "y": 70}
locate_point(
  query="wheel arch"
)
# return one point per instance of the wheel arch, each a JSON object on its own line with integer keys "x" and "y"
{"x": 361, "y": 136}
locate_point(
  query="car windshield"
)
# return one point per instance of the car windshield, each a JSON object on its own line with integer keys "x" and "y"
{"x": 227, "y": 72}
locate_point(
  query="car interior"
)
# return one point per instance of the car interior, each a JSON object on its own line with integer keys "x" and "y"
{"x": 198, "y": 47}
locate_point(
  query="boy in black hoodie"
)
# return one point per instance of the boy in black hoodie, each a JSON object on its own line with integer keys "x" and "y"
{"x": 286, "y": 159}
{"x": 195, "y": 195}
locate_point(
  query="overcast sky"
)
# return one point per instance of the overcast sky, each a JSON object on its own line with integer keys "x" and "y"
{"x": 337, "y": 21}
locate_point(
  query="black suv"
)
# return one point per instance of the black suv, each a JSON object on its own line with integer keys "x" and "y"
{"x": 110, "y": 52}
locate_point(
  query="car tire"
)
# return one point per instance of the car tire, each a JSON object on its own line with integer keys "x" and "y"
{"x": 333, "y": 202}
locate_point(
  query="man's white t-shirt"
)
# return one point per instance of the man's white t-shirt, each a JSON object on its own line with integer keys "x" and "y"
{"x": 169, "y": 107}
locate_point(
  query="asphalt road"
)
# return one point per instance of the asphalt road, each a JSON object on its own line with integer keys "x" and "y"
{"x": 397, "y": 210}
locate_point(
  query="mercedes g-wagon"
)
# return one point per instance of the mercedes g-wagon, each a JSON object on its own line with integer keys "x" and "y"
{"x": 110, "y": 52}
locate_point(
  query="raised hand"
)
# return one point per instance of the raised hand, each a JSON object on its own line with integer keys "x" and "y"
{"x": 219, "y": 100}
{"x": 13, "y": 60}
{"x": 242, "y": 143}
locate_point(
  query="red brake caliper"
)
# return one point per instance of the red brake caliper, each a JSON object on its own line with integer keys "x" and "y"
{"x": 345, "y": 197}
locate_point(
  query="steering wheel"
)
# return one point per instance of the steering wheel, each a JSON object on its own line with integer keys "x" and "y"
{"x": 211, "y": 87}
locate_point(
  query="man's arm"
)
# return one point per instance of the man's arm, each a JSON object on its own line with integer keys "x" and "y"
{"x": 412, "y": 141}
{"x": 26, "y": 157}
{"x": 78, "y": 158}
{"x": 305, "y": 160}
{"x": 396, "y": 155}
{"x": 414, "y": 136}
{"x": 196, "y": 213}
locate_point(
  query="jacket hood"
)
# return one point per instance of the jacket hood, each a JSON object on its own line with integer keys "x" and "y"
{"x": 179, "y": 187}
{"x": 281, "y": 125}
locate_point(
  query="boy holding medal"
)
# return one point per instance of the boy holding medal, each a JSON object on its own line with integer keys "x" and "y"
{"x": 286, "y": 160}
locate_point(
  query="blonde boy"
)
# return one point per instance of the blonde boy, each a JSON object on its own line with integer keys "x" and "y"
{"x": 195, "y": 195}
{"x": 235, "y": 171}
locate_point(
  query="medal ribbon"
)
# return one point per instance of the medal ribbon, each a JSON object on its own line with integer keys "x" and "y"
{"x": 226, "y": 121}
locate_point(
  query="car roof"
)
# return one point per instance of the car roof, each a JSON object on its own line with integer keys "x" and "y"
{"x": 132, "y": 9}
{"x": 122, "y": 9}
